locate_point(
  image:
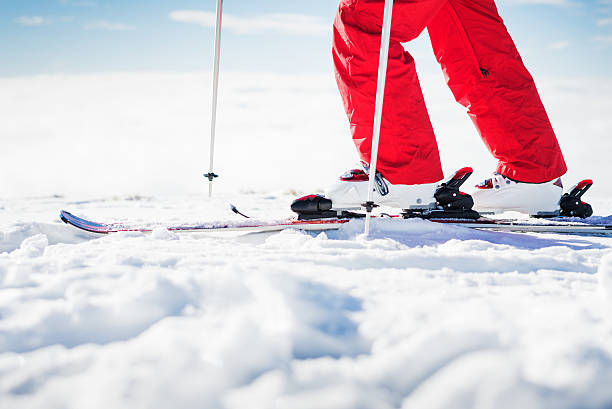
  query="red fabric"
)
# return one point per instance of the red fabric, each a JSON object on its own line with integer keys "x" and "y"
{"x": 483, "y": 70}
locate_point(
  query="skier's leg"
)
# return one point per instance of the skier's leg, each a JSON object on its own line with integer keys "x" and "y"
{"x": 486, "y": 74}
{"x": 408, "y": 153}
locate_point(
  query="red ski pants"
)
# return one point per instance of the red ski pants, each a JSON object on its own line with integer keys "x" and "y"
{"x": 482, "y": 68}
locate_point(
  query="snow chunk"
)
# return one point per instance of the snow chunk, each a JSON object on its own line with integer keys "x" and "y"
{"x": 162, "y": 233}
{"x": 34, "y": 246}
{"x": 15, "y": 234}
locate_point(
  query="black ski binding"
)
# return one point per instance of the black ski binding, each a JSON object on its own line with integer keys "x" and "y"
{"x": 451, "y": 203}
{"x": 571, "y": 203}
{"x": 314, "y": 207}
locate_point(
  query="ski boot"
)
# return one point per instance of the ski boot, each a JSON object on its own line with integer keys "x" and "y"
{"x": 351, "y": 191}
{"x": 424, "y": 201}
{"x": 500, "y": 194}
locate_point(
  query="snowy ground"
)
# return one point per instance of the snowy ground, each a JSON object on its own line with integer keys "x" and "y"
{"x": 148, "y": 133}
{"x": 426, "y": 316}
{"x": 430, "y": 316}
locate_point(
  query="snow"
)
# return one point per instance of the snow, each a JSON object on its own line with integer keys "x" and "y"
{"x": 153, "y": 129}
{"x": 419, "y": 315}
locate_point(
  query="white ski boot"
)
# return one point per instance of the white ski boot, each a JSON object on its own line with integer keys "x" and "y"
{"x": 500, "y": 194}
{"x": 351, "y": 191}
{"x": 425, "y": 201}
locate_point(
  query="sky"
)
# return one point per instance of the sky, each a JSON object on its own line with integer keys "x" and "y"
{"x": 555, "y": 37}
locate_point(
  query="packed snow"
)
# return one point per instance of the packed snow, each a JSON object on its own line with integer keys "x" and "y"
{"x": 419, "y": 315}
{"x": 425, "y": 315}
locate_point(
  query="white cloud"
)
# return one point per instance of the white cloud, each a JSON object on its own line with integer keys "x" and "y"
{"x": 604, "y": 22}
{"x": 559, "y": 45}
{"x": 108, "y": 26}
{"x": 32, "y": 20}
{"x": 606, "y": 40}
{"x": 288, "y": 23}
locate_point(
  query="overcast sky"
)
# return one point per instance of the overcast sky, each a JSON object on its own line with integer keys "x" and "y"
{"x": 556, "y": 37}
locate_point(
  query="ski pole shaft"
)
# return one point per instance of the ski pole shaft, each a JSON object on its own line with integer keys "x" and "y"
{"x": 213, "y": 122}
{"x": 380, "y": 93}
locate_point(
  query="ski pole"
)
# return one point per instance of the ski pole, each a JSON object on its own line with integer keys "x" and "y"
{"x": 213, "y": 122}
{"x": 380, "y": 94}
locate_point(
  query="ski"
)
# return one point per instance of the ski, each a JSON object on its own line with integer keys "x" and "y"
{"x": 586, "y": 227}
{"x": 316, "y": 213}
{"x": 251, "y": 225}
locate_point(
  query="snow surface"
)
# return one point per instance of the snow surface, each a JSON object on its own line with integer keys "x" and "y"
{"x": 419, "y": 316}
{"x": 423, "y": 316}
{"x": 148, "y": 133}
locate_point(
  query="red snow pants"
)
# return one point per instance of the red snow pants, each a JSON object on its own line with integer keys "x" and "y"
{"x": 482, "y": 68}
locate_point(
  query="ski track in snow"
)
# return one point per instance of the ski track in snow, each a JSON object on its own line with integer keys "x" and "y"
{"x": 419, "y": 316}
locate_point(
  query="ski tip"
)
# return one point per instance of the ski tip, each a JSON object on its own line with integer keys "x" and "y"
{"x": 64, "y": 216}
{"x": 83, "y": 224}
